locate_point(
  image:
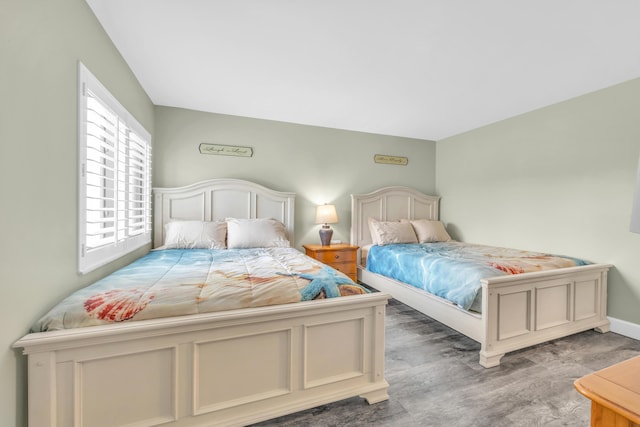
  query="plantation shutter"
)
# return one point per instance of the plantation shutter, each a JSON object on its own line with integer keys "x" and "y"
{"x": 100, "y": 174}
{"x": 115, "y": 178}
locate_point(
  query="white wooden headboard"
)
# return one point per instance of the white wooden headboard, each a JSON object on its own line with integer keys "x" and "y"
{"x": 389, "y": 204}
{"x": 219, "y": 199}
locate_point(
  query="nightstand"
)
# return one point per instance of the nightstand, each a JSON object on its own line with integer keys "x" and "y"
{"x": 341, "y": 257}
{"x": 614, "y": 394}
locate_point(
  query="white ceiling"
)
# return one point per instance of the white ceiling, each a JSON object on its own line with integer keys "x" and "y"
{"x": 425, "y": 69}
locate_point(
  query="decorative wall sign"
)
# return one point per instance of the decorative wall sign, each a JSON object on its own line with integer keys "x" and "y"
{"x": 390, "y": 160}
{"x": 226, "y": 150}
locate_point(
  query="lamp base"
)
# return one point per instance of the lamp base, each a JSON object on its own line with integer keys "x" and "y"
{"x": 325, "y": 235}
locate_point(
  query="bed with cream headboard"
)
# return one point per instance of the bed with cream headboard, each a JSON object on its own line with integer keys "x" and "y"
{"x": 226, "y": 368}
{"x": 518, "y": 310}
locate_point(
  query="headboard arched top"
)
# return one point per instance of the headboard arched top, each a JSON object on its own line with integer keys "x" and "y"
{"x": 389, "y": 204}
{"x": 221, "y": 198}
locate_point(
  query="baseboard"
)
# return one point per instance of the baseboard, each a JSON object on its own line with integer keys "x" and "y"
{"x": 622, "y": 327}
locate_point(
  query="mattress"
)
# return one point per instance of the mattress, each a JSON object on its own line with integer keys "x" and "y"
{"x": 454, "y": 270}
{"x": 175, "y": 282}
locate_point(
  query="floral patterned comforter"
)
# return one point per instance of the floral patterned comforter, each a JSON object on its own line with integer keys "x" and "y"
{"x": 453, "y": 270}
{"x": 177, "y": 282}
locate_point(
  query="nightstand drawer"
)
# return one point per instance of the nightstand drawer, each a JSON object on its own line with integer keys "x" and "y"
{"x": 347, "y": 268}
{"x": 330, "y": 256}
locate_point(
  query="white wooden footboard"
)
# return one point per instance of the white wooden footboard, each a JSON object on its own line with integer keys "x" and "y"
{"x": 518, "y": 310}
{"x": 527, "y": 309}
{"x": 226, "y": 368}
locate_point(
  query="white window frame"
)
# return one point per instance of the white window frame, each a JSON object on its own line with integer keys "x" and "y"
{"x": 123, "y": 180}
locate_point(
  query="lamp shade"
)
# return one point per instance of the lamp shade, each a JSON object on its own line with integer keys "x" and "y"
{"x": 326, "y": 214}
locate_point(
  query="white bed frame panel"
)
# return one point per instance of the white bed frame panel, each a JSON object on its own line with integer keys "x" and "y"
{"x": 225, "y": 368}
{"x": 518, "y": 311}
{"x": 219, "y": 199}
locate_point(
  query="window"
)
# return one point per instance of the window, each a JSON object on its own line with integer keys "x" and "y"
{"x": 115, "y": 177}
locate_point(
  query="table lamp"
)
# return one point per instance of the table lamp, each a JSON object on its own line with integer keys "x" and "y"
{"x": 325, "y": 215}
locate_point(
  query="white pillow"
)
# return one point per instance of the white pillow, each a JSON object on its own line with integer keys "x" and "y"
{"x": 256, "y": 233}
{"x": 429, "y": 231}
{"x": 389, "y": 232}
{"x": 195, "y": 235}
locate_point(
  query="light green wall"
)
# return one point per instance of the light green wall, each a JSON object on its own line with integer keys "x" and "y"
{"x": 569, "y": 170}
{"x": 40, "y": 45}
{"x": 318, "y": 164}
{"x": 559, "y": 179}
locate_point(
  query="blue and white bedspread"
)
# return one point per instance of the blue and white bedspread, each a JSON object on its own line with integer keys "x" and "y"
{"x": 176, "y": 282}
{"x": 453, "y": 270}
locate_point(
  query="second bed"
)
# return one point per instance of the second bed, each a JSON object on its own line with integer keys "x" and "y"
{"x": 520, "y": 301}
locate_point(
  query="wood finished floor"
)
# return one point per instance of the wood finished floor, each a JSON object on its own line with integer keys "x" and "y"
{"x": 435, "y": 380}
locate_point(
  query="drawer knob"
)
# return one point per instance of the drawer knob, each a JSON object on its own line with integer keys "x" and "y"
{"x": 337, "y": 256}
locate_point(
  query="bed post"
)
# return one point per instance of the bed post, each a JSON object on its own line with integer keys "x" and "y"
{"x": 488, "y": 357}
{"x": 605, "y": 327}
{"x": 377, "y": 370}
{"x": 42, "y": 389}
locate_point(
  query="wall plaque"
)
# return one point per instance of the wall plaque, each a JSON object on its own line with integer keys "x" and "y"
{"x": 226, "y": 150}
{"x": 391, "y": 160}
